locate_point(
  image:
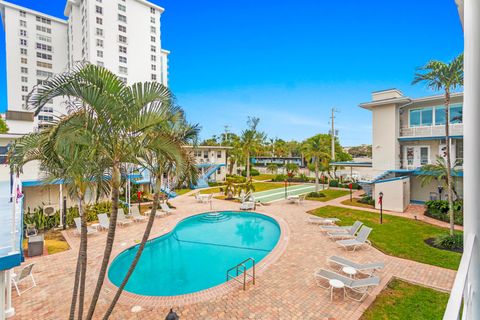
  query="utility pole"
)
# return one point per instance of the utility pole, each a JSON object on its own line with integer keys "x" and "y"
{"x": 333, "y": 133}
{"x": 226, "y": 132}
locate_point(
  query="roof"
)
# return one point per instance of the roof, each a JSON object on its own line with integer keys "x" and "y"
{"x": 351, "y": 164}
{"x": 209, "y": 147}
{"x": 4, "y": 4}
{"x": 69, "y": 3}
{"x": 406, "y": 100}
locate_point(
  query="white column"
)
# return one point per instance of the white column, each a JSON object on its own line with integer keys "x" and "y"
{"x": 60, "y": 205}
{"x": 471, "y": 120}
{"x": 2, "y": 295}
{"x": 9, "y": 310}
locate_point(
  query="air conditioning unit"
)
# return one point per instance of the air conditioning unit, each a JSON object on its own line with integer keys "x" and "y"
{"x": 50, "y": 210}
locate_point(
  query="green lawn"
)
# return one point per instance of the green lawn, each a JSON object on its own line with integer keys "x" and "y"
{"x": 397, "y": 236}
{"x": 356, "y": 203}
{"x": 259, "y": 186}
{"x": 330, "y": 194}
{"x": 182, "y": 191}
{"x": 265, "y": 176}
{"x": 402, "y": 300}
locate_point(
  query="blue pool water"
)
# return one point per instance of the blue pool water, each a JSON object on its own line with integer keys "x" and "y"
{"x": 197, "y": 253}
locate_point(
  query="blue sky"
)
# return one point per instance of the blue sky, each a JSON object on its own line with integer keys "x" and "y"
{"x": 289, "y": 62}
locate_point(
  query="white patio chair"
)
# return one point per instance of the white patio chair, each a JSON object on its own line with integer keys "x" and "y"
{"x": 78, "y": 224}
{"x": 135, "y": 213}
{"x": 103, "y": 221}
{"x": 25, "y": 274}
{"x": 360, "y": 240}
{"x": 121, "y": 218}
{"x": 165, "y": 208}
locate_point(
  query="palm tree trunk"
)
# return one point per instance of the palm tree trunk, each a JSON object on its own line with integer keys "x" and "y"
{"x": 83, "y": 256}
{"x": 449, "y": 161}
{"x": 76, "y": 282}
{"x": 134, "y": 263}
{"x": 116, "y": 180}
{"x": 248, "y": 165}
{"x": 316, "y": 175}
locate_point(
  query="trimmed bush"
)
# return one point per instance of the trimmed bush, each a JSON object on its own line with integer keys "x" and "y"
{"x": 366, "y": 199}
{"x": 253, "y": 172}
{"x": 316, "y": 195}
{"x": 279, "y": 178}
{"x": 446, "y": 241}
{"x": 333, "y": 183}
{"x": 438, "y": 209}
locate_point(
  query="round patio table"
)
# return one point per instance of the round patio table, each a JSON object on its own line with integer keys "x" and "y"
{"x": 350, "y": 271}
{"x": 336, "y": 284}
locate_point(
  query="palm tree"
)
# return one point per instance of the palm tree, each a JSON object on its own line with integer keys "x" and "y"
{"x": 440, "y": 76}
{"x": 117, "y": 115}
{"x": 316, "y": 151}
{"x": 250, "y": 140}
{"x": 292, "y": 169}
{"x": 439, "y": 172}
{"x": 164, "y": 153}
{"x": 272, "y": 168}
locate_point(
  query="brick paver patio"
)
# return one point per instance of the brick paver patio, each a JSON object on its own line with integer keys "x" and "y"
{"x": 285, "y": 289}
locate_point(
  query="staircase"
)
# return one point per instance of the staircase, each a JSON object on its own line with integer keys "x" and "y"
{"x": 367, "y": 186}
{"x": 215, "y": 217}
{"x": 202, "y": 181}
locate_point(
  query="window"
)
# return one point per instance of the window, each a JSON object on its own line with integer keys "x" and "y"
{"x": 24, "y": 98}
{"x": 100, "y": 63}
{"x": 23, "y": 13}
{"x": 98, "y": 9}
{"x": 42, "y": 73}
{"x": 219, "y": 154}
{"x": 122, "y": 49}
{"x": 459, "y": 151}
{"x": 24, "y": 70}
{"x": 44, "y": 56}
{"x": 23, "y": 51}
{"x": 123, "y": 70}
{"x": 152, "y": 10}
{"x": 43, "y": 20}
{"x": 43, "y": 46}
{"x": 99, "y": 20}
{"x": 123, "y": 79}
{"x": 44, "y": 65}
{"x": 45, "y": 118}
{"x": 152, "y": 38}
{"x": 122, "y": 28}
{"x": 44, "y": 29}
{"x": 153, "y": 48}
{"x": 153, "y": 29}
{"x": 154, "y": 67}
{"x": 41, "y": 37}
{"x": 47, "y": 109}
{"x": 23, "y": 33}
{"x": 24, "y": 89}
{"x": 23, "y": 42}
{"x": 41, "y": 82}
{"x": 122, "y": 39}
{"x": 100, "y": 53}
{"x": 23, "y": 60}
{"x": 122, "y": 18}
{"x": 154, "y": 77}
{"x": 121, "y": 7}
{"x": 100, "y": 43}
{"x": 456, "y": 114}
{"x": 421, "y": 117}
{"x": 152, "y": 19}
{"x": 99, "y": 1}
{"x": 24, "y": 79}
{"x": 423, "y": 155}
{"x": 23, "y": 23}
{"x": 154, "y": 58}
{"x": 122, "y": 59}
{"x": 99, "y": 32}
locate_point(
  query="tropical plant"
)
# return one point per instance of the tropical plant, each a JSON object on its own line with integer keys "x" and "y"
{"x": 315, "y": 150}
{"x": 292, "y": 169}
{"x": 3, "y": 126}
{"x": 250, "y": 141}
{"x": 446, "y": 77}
{"x": 272, "y": 168}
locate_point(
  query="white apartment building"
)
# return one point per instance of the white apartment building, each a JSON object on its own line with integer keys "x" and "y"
{"x": 408, "y": 133}
{"x": 122, "y": 35}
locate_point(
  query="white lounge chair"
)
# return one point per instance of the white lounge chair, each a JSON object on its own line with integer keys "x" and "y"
{"x": 121, "y": 218}
{"x": 135, "y": 213}
{"x": 345, "y": 233}
{"x": 365, "y": 268}
{"x": 103, "y": 221}
{"x": 321, "y": 220}
{"x": 248, "y": 203}
{"x": 198, "y": 197}
{"x": 25, "y": 273}
{"x": 165, "y": 208}
{"x": 78, "y": 224}
{"x": 360, "y": 240}
{"x": 358, "y": 287}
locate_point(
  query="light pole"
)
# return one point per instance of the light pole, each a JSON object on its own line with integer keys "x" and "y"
{"x": 380, "y": 201}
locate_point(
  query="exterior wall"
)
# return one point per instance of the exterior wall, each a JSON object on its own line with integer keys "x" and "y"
{"x": 396, "y": 194}
{"x": 212, "y": 155}
{"x": 385, "y": 144}
{"x": 425, "y": 193}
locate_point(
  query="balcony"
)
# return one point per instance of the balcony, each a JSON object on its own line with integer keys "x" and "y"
{"x": 456, "y": 129}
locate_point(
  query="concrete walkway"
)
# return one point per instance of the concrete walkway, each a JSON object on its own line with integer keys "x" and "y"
{"x": 285, "y": 289}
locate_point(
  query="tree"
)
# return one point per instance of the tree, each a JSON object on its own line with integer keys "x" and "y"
{"x": 292, "y": 169}
{"x": 272, "y": 168}
{"x": 3, "y": 126}
{"x": 446, "y": 77}
{"x": 250, "y": 141}
{"x": 439, "y": 172}
{"x": 116, "y": 115}
{"x": 316, "y": 151}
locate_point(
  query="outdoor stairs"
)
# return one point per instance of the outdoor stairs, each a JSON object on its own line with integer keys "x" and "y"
{"x": 202, "y": 181}
{"x": 214, "y": 217}
{"x": 367, "y": 186}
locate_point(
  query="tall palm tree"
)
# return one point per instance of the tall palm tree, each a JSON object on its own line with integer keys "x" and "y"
{"x": 316, "y": 151}
{"x": 250, "y": 140}
{"x": 438, "y": 171}
{"x": 117, "y": 115}
{"x": 446, "y": 77}
{"x": 164, "y": 153}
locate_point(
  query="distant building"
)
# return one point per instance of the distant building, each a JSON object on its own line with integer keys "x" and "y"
{"x": 281, "y": 161}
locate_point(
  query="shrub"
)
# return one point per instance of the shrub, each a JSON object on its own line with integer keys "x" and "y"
{"x": 236, "y": 179}
{"x": 316, "y": 195}
{"x": 438, "y": 209}
{"x": 367, "y": 200}
{"x": 215, "y": 184}
{"x": 253, "y": 172}
{"x": 446, "y": 241}
{"x": 334, "y": 183}
{"x": 279, "y": 178}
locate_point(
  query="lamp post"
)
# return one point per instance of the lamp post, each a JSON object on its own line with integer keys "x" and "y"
{"x": 286, "y": 188}
{"x": 440, "y": 189}
{"x": 380, "y": 201}
{"x": 350, "y": 186}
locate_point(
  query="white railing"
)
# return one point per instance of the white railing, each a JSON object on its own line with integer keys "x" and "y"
{"x": 456, "y": 129}
{"x": 461, "y": 294}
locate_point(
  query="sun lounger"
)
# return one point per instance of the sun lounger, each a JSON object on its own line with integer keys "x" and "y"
{"x": 135, "y": 213}
{"x": 165, "y": 208}
{"x": 121, "y": 218}
{"x": 24, "y": 274}
{"x": 366, "y": 268}
{"x": 358, "y": 287}
{"x": 103, "y": 221}
{"x": 360, "y": 240}
{"x": 78, "y": 224}
{"x": 321, "y": 220}
{"x": 345, "y": 233}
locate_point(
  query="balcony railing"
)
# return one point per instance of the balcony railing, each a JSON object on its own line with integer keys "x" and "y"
{"x": 462, "y": 294}
{"x": 456, "y": 129}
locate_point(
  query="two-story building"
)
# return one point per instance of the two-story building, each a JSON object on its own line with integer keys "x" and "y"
{"x": 408, "y": 133}
{"x": 212, "y": 164}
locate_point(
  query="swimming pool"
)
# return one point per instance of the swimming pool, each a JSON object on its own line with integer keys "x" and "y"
{"x": 197, "y": 253}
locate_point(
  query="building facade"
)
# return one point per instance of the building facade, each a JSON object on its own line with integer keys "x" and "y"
{"x": 408, "y": 133}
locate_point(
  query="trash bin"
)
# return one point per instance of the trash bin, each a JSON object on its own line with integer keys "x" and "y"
{"x": 35, "y": 245}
